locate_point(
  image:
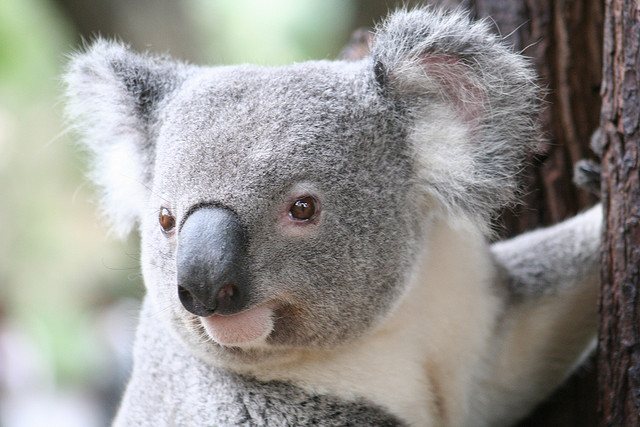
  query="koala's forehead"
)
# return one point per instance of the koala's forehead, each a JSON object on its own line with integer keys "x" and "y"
{"x": 234, "y": 129}
{"x": 248, "y": 106}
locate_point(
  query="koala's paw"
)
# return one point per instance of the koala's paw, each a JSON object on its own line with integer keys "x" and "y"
{"x": 586, "y": 173}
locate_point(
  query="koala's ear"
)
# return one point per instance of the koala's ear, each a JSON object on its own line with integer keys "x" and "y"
{"x": 112, "y": 101}
{"x": 472, "y": 104}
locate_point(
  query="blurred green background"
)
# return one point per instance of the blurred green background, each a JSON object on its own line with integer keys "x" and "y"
{"x": 68, "y": 291}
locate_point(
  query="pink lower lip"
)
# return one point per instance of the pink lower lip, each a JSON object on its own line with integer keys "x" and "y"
{"x": 244, "y": 328}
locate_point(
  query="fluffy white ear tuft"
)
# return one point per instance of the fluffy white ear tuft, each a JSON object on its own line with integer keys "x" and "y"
{"x": 472, "y": 103}
{"x": 113, "y": 97}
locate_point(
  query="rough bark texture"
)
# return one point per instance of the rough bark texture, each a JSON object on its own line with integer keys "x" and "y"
{"x": 564, "y": 38}
{"x": 619, "y": 345}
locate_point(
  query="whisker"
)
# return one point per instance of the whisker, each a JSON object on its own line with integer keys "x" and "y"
{"x": 56, "y": 137}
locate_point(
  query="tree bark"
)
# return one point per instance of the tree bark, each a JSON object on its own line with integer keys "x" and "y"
{"x": 619, "y": 343}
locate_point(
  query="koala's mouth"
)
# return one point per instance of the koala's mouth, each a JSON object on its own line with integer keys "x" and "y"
{"x": 250, "y": 327}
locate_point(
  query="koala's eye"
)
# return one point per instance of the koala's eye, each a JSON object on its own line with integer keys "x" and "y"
{"x": 167, "y": 221}
{"x": 303, "y": 209}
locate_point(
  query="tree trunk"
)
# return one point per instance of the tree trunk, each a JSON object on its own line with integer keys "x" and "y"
{"x": 619, "y": 344}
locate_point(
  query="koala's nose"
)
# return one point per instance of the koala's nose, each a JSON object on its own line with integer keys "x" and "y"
{"x": 210, "y": 260}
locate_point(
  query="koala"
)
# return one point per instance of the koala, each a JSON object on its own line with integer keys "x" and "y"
{"x": 314, "y": 237}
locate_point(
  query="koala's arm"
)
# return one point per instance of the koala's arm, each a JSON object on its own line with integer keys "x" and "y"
{"x": 551, "y": 277}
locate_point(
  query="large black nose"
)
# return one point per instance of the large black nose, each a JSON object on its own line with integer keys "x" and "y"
{"x": 211, "y": 253}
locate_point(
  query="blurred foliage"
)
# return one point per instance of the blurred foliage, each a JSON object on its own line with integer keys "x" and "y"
{"x": 272, "y": 32}
{"x": 55, "y": 264}
{"x": 32, "y": 35}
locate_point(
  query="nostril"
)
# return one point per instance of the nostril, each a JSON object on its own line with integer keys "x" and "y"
{"x": 184, "y": 295}
{"x": 192, "y": 304}
{"x": 226, "y": 294}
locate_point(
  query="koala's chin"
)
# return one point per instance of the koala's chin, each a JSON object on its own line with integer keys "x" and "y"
{"x": 265, "y": 334}
{"x": 238, "y": 340}
{"x": 249, "y": 328}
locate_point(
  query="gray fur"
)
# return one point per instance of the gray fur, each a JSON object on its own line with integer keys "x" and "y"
{"x": 431, "y": 128}
{"x": 586, "y": 172}
{"x": 586, "y": 175}
{"x": 572, "y": 253}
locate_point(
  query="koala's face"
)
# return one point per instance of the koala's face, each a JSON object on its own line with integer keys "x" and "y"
{"x": 284, "y": 208}
{"x": 289, "y": 200}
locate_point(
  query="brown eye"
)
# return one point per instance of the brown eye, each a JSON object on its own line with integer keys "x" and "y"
{"x": 303, "y": 209}
{"x": 167, "y": 221}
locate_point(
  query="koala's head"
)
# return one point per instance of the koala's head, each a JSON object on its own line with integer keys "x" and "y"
{"x": 284, "y": 208}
